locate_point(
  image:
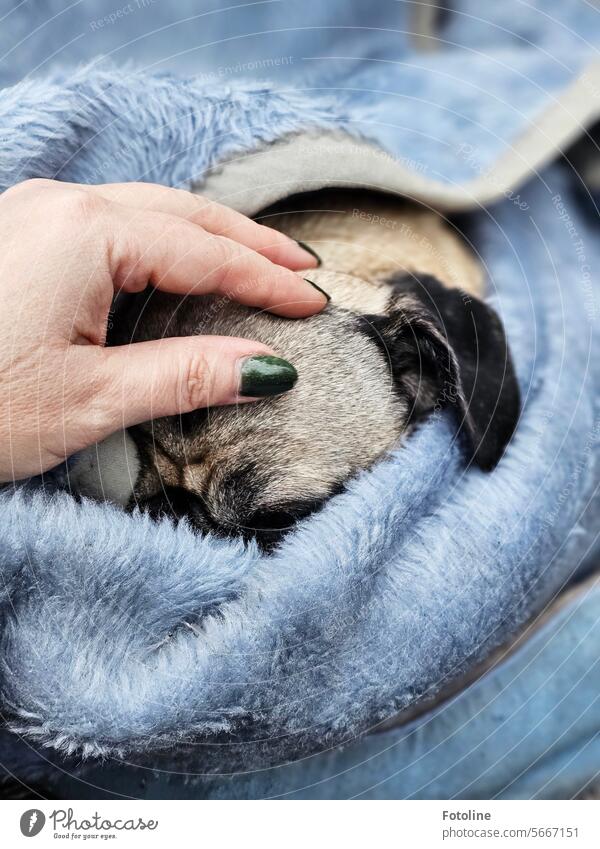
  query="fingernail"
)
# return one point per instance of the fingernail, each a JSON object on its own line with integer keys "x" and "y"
{"x": 310, "y": 251}
{"x": 266, "y": 375}
{"x": 318, "y": 288}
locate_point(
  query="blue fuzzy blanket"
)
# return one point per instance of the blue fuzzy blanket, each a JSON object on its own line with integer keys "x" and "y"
{"x": 125, "y": 638}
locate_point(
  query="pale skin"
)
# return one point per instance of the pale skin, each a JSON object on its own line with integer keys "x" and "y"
{"x": 66, "y": 250}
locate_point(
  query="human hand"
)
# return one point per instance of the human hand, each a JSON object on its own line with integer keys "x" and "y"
{"x": 66, "y": 250}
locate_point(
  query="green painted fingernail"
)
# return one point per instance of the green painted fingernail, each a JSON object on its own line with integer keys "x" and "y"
{"x": 265, "y": 375}
{"x": 318, "y": 288}
{"x": 310, "y": 251}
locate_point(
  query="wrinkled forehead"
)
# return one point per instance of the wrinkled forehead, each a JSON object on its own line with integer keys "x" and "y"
{"x": 342, "y": 414}
{"x": 352, "y": 292}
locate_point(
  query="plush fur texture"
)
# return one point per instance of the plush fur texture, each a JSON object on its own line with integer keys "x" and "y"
{"x": 124, "y": 637}
{"x": 511, "y": 735}
{"x": 127, "y": 637}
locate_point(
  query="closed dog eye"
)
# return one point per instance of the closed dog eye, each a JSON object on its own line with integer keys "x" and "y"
{"x": 273, "y": 520}
{"x": 273, "y": 523}
{"x": 176, "y": 503}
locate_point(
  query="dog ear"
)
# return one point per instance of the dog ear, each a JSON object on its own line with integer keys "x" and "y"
{"x": 449, "y": 348}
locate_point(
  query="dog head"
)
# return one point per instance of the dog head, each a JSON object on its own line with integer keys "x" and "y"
{"x": 256, "y": 469}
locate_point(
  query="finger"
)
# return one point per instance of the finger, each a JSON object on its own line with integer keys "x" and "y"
{"x": 179, "y": 257}
{"x": 213, "y": 217}
{"x": 165, "y": 377}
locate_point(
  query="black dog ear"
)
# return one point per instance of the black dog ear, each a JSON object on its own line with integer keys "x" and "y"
{"x": 446, "y": 347}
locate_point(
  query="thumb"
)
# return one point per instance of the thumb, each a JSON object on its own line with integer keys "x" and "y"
{"x": 148, "y": 380}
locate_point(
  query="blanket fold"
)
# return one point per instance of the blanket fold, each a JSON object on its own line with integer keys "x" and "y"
{"x": 124, "y": 638}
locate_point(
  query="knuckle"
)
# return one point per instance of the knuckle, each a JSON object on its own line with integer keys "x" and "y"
{"x": 268, "y": 287}
{"x": 226, "y": 263}
{"x": 39, "y": 183}
{"x": 97, "y": 423}
{"x": 99, "y": 387}
{"x": 80, "y": 205}
{"x": 190, "y": 201}
{"x": 33, "y": 183}
{"x": 195, "y": 381}
{"x": 204, "y": 212}
{"x": 26, "y": 187}
{"x": 92, "y": 398}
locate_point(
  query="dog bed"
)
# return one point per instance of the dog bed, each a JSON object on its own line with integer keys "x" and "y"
{"x": 125, "y": 639}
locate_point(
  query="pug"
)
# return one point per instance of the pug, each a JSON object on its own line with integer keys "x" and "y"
{"x": 405, "y": 334}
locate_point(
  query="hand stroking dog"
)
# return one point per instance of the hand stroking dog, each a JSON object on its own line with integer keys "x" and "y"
{"x": 406, "y": 333}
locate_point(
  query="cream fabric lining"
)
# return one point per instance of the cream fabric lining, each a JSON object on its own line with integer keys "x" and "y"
{"x": 310, "y": 161}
